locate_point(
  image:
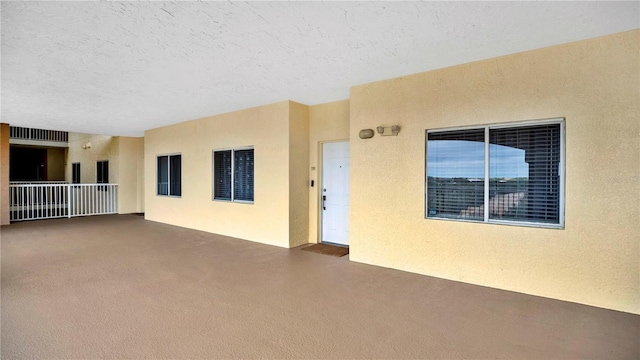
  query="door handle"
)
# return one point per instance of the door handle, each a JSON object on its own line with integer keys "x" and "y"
{"x": 324, "y": 198}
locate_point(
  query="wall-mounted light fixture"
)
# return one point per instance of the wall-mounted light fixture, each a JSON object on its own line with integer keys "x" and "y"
{"x": 366, "y": 133}
{"x": 86, "y": 145}
{"x": 389, "y": 130}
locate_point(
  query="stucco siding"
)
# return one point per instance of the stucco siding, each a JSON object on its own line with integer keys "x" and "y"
{"x": 266, "y": 129}
{"x": 594, "y": 84}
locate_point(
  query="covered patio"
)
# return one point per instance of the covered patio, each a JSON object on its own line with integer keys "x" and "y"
{"x": 119, "y": 286}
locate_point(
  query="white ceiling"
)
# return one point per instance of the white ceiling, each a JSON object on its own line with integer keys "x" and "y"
{"x": 121, "y": 68}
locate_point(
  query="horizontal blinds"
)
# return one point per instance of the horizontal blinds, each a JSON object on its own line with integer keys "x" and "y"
{"x": 163, "y": 175}
{"x": 455, "y": 174}
{"x": 523, "y": 182}
{"x": 524, "y": 176}
{"x": 243, "y": 175}
{"x": 222, "y": 175}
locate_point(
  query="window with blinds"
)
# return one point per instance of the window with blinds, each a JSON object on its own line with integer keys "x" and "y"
{"x": 509, "y": 173}
{"x": 455, "y": 174}
{"x": 233, "y": 175}
{"x": 222, "y": 175}
{"x": 169, "y": 172}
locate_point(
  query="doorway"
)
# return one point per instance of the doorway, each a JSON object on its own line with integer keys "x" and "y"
{"x": 27, "y": 163}
{"x": 334, "y": 197}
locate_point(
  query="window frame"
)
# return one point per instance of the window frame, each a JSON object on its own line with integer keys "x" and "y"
{"x": 169, "y": 174}
{"x": 213, "y": 174}
{"x": 561, "y": 121}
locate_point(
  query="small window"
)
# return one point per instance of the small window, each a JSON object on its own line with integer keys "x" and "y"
{"x": 75, "y": 173}
{"x": 233, "y": 175}
{"x": 102, "y": 176}
{"x": 169, "y": 175}
{"x": 500, "y": 174}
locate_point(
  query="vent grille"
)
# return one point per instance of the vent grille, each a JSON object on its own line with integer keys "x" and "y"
{"x": 16, "y": 132}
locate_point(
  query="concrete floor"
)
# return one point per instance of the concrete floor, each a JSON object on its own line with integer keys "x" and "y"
{"x": 122, "y": 287}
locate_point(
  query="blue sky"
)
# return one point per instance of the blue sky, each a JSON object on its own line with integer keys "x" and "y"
{"x": 459, "y": 158}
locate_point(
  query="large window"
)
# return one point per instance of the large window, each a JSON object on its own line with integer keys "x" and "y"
{"x": 502, "y": 174}
{"x": 169, "y": 175}
{"x": 233, "y": 175}
{"x": 75, "y": 173}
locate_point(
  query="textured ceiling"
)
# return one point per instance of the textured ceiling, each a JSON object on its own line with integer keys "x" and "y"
{"x": 121, "y": 68}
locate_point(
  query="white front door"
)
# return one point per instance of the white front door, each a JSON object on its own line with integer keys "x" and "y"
{"x": 334, "y": 198}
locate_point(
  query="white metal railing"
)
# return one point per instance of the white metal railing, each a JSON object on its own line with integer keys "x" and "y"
{"x": 48, "y": 201}
{"x": 37, "y": 201}
{"x": 93, "y": 199}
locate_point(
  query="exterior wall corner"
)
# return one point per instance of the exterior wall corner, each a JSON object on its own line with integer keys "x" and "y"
{"x": 4, "y": 174}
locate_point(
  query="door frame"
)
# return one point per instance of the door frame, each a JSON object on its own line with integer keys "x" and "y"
{"x": 320, "y": 183}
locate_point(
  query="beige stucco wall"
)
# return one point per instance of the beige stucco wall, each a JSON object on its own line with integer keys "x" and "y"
{"x": 130, "y": 175}
{"x": 595, "y": 85}
{"x": 327, "y": 122}
{"x": 56, "y": 164}
{"x": 101, "y": 148}
{"x": 266, "y": 128}
{"x": 125, "y": 165}
{"x": 298, "y": 174}
{"x": 4, "y": 174}
{"x": 140, "y": 179}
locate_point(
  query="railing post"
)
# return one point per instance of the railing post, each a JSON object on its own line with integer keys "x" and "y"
{"x": 69, "y": 200}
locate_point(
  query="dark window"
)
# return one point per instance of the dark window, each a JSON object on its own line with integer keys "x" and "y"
{"x": 169, "y": 175}
{"x": 175, "y": 175}
{"x": 233, "y": 175}
{"x": 75, "y": 170}
{"x": 222, "y": 175}
{"x": 243, "y": 175}
{"x": 511, "y": 175}
{"x": 102, "y": 175}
